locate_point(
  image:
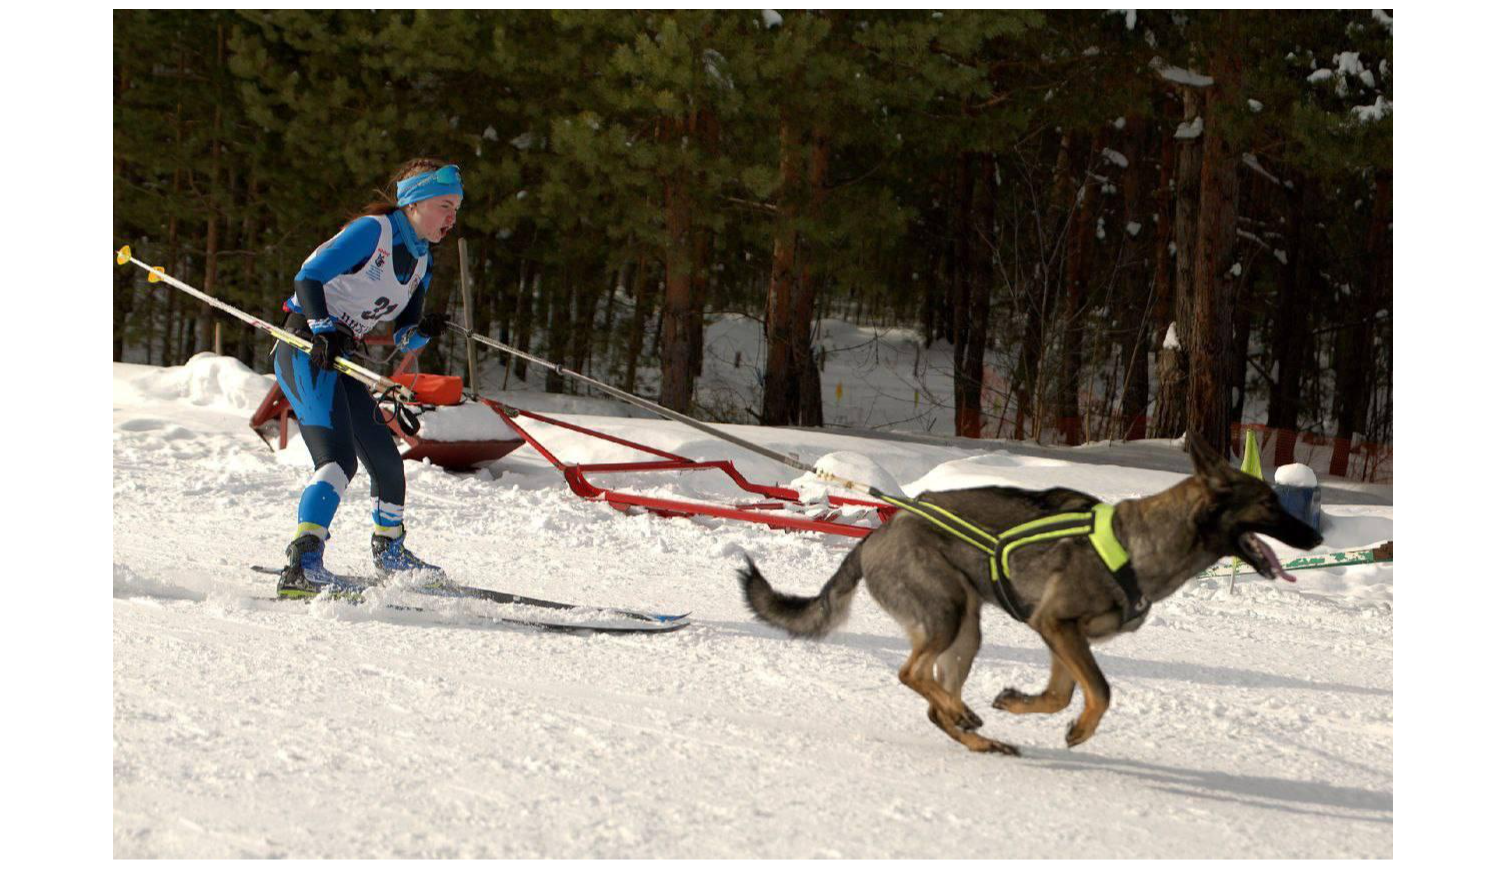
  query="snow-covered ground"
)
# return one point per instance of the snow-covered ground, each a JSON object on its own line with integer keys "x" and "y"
{"x": 1251, "y": 723}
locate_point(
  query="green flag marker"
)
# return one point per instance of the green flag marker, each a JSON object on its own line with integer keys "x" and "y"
{"x": 1250, "y": 465}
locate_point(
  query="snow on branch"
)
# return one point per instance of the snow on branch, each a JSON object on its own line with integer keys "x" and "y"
{"x": 1178, "y": 75}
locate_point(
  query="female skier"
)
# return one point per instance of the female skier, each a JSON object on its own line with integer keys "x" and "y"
{"x": 375, "y": 270}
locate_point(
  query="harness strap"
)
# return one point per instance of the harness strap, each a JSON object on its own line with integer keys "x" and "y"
{"x": 975, "y": 536}
{"x": 970, "y": 533}
{"x": 1053, "y": 528}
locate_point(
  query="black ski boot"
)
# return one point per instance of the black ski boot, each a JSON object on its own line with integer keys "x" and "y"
{"x": 391, "y": 555}
{"x": 304, "y": 575}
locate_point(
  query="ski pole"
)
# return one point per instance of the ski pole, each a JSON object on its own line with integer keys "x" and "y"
{"x": 673, "y": 415}
{"x": 353, "y": 370}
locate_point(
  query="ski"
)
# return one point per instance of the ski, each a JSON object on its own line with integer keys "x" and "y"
{"x": 630, "y": 627}
{"x": 1384, "y": 554}
{"x": 344, "y": 586}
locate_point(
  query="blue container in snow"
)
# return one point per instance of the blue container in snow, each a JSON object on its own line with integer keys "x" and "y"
{"x": 1299, "y": 493}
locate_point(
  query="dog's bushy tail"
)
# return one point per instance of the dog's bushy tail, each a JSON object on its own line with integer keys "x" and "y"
{"x": 804, "y": 617}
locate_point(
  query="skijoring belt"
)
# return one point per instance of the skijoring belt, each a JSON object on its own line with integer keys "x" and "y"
{"x": 1097, "y": 524}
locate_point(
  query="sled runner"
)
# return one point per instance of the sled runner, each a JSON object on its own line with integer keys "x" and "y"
{"x": 778, "y": 507}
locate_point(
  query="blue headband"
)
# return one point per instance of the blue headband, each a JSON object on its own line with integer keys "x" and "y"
{"x": 430, "y": 184}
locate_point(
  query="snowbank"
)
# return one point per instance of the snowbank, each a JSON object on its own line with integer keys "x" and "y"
{"x": 209, "y": 381}
{"x": 466, "y": 421}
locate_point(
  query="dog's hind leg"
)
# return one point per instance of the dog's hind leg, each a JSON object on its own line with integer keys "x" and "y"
{"x": 954, "y": 664}
{"x": 945, "y": 711}
{"x": 1069, "y": 646}
{"x": 1054, "y": 699}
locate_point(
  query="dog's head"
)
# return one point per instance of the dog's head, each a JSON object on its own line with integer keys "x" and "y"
{"x": 1237, "y": 507}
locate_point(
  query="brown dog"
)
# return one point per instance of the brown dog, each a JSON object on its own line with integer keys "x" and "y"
{"x": 933, "y": 584}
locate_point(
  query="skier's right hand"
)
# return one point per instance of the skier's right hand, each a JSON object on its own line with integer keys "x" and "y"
{"x": 326, "y": 347}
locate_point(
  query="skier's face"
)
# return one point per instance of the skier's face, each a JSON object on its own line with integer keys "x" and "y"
{"x": 432, "y": 218}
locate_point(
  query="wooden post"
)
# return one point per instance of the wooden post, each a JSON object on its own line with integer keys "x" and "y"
{"x": 468, "y": 315}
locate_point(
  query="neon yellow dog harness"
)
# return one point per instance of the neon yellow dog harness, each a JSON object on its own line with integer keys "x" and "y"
{"x": 1097, "y": 524}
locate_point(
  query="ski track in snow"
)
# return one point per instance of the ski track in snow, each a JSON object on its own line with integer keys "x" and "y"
{"x": 1257, "y": 723}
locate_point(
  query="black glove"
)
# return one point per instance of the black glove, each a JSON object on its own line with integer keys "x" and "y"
{"x": 326, "y": 347}
{"x": 432, "y": 324}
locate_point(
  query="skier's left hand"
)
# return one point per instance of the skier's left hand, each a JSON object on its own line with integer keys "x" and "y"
{"x": 432, "y": 324}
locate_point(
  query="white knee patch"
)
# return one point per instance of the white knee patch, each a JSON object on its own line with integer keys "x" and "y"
{"x": 332, "y": 475}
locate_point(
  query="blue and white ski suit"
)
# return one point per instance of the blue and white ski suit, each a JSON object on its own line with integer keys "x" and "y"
{"x": 375, "y": 270}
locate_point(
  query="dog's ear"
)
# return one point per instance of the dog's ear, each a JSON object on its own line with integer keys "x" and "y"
{"x": 1207, "y": 464}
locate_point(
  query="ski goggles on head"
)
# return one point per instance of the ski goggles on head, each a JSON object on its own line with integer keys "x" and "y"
{"x": 429, "y": 184}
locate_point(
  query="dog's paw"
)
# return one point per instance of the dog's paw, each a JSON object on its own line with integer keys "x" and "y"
{"x": 989, "y": 745}
{"x": 1077, "y": 735}
{"x": 967, "y": 721}
{"x": 1012, "y": 700}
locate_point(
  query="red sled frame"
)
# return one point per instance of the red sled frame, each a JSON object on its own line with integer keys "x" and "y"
{"x": 778, "y": 498}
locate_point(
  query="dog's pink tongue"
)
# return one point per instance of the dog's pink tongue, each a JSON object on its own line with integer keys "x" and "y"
{"x": 1269, "y": 556}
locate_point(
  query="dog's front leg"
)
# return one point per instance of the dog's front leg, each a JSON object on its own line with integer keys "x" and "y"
{"x": 1054, "y": 699}
{"x": 1070, "y": 646}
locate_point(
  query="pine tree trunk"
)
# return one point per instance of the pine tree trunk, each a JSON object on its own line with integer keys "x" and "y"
{"x": 1242, "y": 318}
{"x": 486, "y": 303}
{"x": 587, "y": 304}
{"x": 1288, "y": 341}
{"x": 702, "y": 241}
{"x": 1210, "y": 343}
{"x": 676, "y": 324}
{"x": 611, "y": 306}
{"x": 1075, "y": 279}
{"x": 959, "y": 284}
{"x": 124, "y": 295}
{"x": 524, "y": 310}
{"x": 637, "y": 323}
{"x": 169, "y": 324}
{"x": 807, "y": 383}
{"x": 558, "y": 329}
{"x": 508, "y": 311}
{"x": 1162, "y": 293}
{"x": 1175, "y": 364}
{"x": 249, "y": 230}
{"x": 808, "y": 387}
{"x": 975, "y": 276}
{"x": 1355, "y": 341}
{"x": 1133, "y": 304}
{"x": 776, "y": 403}
{"x": 1037, "y": 312}
{"x": 985, "y": 209}
{"x": 931, "y": 311}
{"x": 210, "y": 283}
{"x": 704, "y": 129}
{"x": 124, "y": 285}
{"x": 208, "y": 332}
{"x": 1031, "y": 352}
